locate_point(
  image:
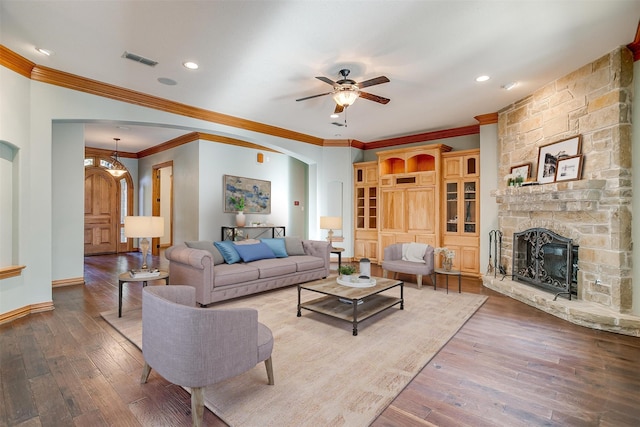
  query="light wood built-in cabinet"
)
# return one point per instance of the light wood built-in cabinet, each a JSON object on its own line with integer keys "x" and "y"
{"x": 461, "y": 209}
{"x": 365, "y": 178}
{"x": 409, "y": 195}
{"x": 424, "y": 194}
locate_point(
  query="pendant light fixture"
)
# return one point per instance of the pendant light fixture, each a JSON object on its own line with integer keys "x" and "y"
{"x": 116, "y": 169}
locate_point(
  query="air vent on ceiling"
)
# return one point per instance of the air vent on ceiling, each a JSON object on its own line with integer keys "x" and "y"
{"x": 140, "y": 59}
{"x": 338, "y": 124}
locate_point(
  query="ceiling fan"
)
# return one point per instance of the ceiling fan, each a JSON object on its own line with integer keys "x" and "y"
{"x": 346, "y": 91}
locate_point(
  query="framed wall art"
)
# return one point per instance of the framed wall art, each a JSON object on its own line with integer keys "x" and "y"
{"x": 569, "y": 168}
{"x": 523, "y": 171}
{"x": 548, "y": 156}
{"x": 256, "y": 194}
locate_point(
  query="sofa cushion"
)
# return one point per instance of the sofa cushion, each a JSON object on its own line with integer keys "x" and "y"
{"x": 230, "y": 274}
{"x": 294, "y": 246}
{"x": 254, "y": 252}
{"x": 307, "y": 262}
{"x": 207, "y": 246}
{"x": 275, "y": 267}
{"x": 277, "y": 246}
{"x": 228, "y": 251}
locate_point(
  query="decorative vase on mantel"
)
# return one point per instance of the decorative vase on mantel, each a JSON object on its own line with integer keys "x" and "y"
{"x": 241, "y": 220}
{"x": 447, "y": 263}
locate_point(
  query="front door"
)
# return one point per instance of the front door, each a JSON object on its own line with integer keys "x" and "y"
{"x": 100, "y": 212}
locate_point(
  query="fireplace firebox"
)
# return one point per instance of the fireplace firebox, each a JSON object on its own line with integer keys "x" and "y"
{"x": 546, "y": 260}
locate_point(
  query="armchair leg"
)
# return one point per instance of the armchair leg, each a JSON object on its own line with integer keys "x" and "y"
{"x": 197, "y": 406}
{"x": 384, "y": 273}
{"x": 146, "y": 370}
{"x": 419, "y": 278}
{"x": 269, "y": 365}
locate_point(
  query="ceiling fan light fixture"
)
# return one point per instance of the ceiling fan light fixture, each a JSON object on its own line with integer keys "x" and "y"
{"x": 346, "y": 95}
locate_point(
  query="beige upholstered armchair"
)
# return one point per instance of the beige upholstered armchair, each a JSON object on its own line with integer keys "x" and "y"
{"x": 196, "y": 347}
{"x": 394, "y": 262}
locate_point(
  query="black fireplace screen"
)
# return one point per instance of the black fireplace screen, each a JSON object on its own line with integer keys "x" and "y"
{"x": 544, "y": 259}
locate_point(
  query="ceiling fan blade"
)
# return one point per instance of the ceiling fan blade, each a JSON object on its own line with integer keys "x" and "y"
{"x": 374, "y": 98}
{"x": 314, "y": 96}
{"x": 371, "y": 82}
{"x": 339, "y": 109}
{"x": 327, "y": 80}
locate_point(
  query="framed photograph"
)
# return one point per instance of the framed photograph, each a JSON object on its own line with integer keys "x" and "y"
{"x": 569, "y": 168}
{"x": 255, "y": 192}
{"x": 523, "y": 171}
{"x": 548, "y": 156}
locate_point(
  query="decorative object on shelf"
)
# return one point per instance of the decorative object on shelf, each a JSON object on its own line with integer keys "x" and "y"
{"x": 511, "y": 179}
{"x": 569, "y": 168}
{"x": 550, "y": 154}
{"x": 447, "y": 257}
{"x": 238, "y": 203}
{"x": 116, "y": 168}
{"x": 143, "y": 227}
{"x": 330, "y": 223}
{"x": 255, "y": 193}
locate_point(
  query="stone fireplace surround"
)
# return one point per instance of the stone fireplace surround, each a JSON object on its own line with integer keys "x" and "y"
{"x": 581, "y": 211}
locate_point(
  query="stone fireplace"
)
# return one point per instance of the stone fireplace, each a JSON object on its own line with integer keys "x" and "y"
{"x": 593, "y": 212}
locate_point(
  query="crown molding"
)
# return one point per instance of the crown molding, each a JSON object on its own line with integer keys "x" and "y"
{"x": 634, "y": 46}
{"x": 487, "y": 119}
{"x": 420, "y": 137}
{"x": 15, "y": 62}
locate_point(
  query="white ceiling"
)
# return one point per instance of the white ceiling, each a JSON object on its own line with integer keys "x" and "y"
{"x": 257, "y": 57}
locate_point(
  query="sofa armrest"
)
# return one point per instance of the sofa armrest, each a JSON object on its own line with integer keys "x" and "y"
{"x": 429, "y": 257}
{"x": 320, "y": 249}
{"x": 192, "y": 267}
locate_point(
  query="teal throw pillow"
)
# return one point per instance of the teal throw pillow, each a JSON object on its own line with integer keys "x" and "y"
{"x": 228, "y": 251}
{"x": 277, "y": 246}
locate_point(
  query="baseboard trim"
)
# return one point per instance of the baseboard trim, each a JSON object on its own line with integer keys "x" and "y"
{"x": 25, "y": 311}
{"x": 68, "y": 282}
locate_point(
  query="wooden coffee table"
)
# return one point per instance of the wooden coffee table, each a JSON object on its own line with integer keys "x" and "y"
{"x": 357, "y": 304}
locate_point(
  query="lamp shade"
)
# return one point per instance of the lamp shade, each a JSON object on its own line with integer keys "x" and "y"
{"x": 331, "y": 222}
{"x": 143, "y": 226}
{"x": 345, "y": 96}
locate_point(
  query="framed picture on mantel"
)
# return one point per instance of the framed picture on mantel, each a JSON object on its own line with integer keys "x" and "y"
{"x": 548, "y": 156}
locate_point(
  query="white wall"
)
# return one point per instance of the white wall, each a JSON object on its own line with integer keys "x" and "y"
{"x": 28, "y": 110}
{"x": 488, "y": 184}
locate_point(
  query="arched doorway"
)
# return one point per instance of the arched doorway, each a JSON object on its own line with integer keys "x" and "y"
{"x": 107, "y": 200}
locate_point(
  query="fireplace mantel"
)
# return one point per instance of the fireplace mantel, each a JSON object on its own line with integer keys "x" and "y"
{"x": 583, "y": 195}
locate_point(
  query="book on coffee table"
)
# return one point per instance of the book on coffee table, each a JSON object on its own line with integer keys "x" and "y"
{"x": 142, "y": 274}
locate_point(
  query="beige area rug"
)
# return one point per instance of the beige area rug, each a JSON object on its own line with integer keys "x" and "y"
{"x": 325, "y": 376}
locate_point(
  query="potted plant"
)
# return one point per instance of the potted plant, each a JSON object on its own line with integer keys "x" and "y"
{"x": 346, "y": 270}
{"x": 238, "y": 204}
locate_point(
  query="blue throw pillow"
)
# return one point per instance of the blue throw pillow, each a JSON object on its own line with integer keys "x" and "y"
{"x": 228, "y": 251}
{"x": 277, "y": 246}
{"x": 254, "y": 252}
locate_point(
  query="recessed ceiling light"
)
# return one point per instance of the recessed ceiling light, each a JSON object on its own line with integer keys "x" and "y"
{"x": 190, "y": 65}
{"x": 509, "y": 85}
{"x": 44, "y": 51}
{"x": 167, "y": 81}
{"x": 482, "y": 78}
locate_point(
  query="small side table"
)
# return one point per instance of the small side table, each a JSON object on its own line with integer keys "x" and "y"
{"x": 126, "y": 277}
{"x": 339, "y": 252}
{"x": 447, "y": 273}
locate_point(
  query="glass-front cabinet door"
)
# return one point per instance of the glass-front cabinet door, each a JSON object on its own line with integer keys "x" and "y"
{"x": 470, "y": 207}
{"x": 452, "y": 207}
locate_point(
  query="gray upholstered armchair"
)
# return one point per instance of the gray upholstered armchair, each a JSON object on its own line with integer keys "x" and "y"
{"x": 393, "y": 262}
{"x": 196, "y": 347}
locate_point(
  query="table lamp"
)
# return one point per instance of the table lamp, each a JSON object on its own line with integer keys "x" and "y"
{"x": 143, "y": 227}
{"x": 330, "y": 223}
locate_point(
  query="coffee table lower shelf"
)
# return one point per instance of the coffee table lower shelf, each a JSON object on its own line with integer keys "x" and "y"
{"x": 351, "y": 312}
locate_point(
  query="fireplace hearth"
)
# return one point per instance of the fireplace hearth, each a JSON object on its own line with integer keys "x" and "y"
{"x": 546, "y": 260}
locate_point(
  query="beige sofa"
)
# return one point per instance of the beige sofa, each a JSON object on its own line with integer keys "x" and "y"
{"x": 202, "y": 267}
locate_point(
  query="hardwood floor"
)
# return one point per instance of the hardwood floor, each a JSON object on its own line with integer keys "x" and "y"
{"x": 510, "y": 365}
